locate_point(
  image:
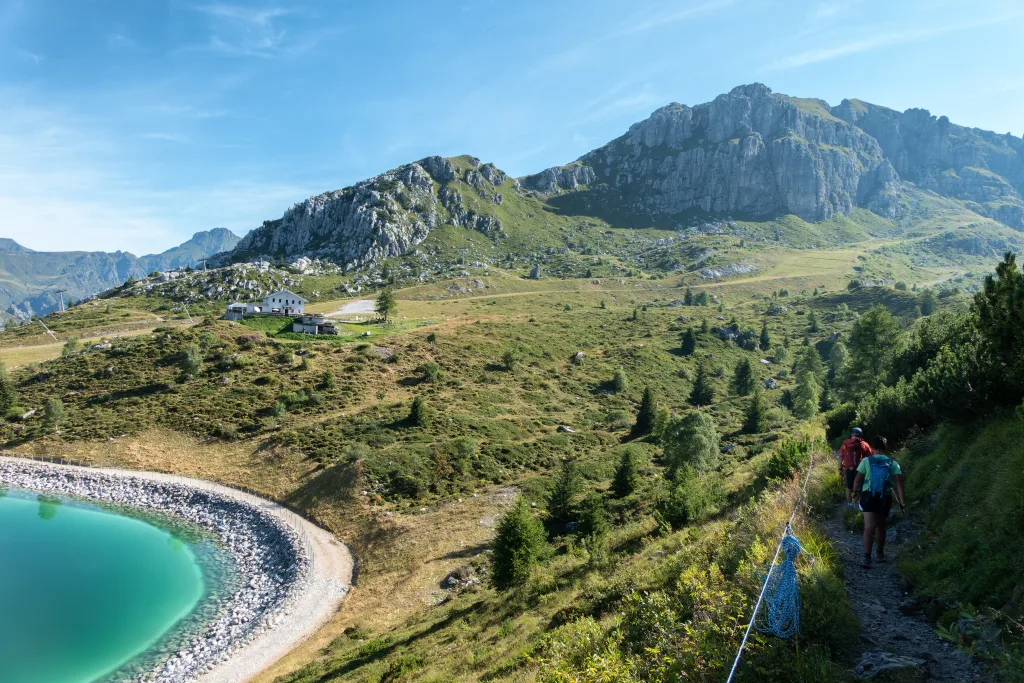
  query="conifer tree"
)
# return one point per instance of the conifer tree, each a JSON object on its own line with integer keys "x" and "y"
{"x": 744, "y": 378}
{"x": 386, "y": 303}
{"x": 765, "y": 341}
{"x": 702, "y": 393}
{"x": 626, "y": 473}
{"x": 568, "y": 485}
{"x": 190, "y": 361}
{"x": 53, "y": 414}
{"x": 807, "y": 396}
{"x": 645, "y": 416}
{"x": 419, "y": 414}
{"x": 838, "y": 357}
{"x": 756, "y": 412}
{"x": 688, "y": 297}
{"x": 689, "y": 342}
{"x": 518, "y": 546}
{"x": 593, "y": 522}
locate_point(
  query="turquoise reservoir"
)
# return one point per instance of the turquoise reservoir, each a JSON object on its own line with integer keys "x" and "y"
{"x": 84, "y": 590}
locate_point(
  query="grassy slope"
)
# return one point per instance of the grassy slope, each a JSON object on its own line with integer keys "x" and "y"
{"x": 967, "y": 480}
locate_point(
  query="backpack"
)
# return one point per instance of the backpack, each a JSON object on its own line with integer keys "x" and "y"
{"x": 879, "y": 467}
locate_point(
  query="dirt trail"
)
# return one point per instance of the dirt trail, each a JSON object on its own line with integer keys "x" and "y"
{"x": 896, "y": 634}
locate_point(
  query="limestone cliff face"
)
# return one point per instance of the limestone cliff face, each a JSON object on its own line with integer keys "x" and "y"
{"x": 750, "y": 152}
{"x": 982, "y": 168}
{"x": 378, "y": 218}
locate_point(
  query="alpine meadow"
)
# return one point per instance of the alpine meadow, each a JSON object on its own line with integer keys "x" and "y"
{"x": 577, "y": 426}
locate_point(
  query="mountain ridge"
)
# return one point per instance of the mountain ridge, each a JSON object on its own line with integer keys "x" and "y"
{"x": 750, "y": 153}
{"x": 32, "y": 282}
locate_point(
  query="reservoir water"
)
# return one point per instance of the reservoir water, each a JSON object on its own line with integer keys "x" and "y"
{"x": 84, "y": 590}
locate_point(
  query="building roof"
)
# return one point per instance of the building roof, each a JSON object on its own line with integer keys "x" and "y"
{"x": 237, "y": 303}
{"x": 285, "y": 293}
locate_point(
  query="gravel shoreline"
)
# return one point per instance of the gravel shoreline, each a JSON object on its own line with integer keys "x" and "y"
{"x": 286, "y": 594}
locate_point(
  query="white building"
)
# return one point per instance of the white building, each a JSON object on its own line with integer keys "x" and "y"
{"x": 313, "y": 323}
{"x": 283, "y": 302}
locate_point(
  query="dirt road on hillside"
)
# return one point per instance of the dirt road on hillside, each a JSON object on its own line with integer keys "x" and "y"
{"x": 896, "y": 635}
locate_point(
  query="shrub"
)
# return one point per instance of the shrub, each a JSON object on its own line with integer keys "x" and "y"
{"x": 620, "y": 384}
{"x": 190, "y": 361}
{"x": 431, "y": 371}
{"x": 784, "y": 459}
{"x": 691, "y": 498}
{"x": 71, "y": 347}
{"x": 509, "y": 360}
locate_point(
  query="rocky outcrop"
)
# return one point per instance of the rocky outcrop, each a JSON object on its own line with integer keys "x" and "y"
{"x": 379, "y": 218}
{"x": 559, "y": 178}
{"x": 360, "y": 225}
{"x": 982, "y": 168}
{"x": 750, "y": 152}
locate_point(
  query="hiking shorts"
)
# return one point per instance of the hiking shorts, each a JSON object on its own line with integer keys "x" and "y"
{"x": 850, "y": 476}
{"x": 881, "y": 506}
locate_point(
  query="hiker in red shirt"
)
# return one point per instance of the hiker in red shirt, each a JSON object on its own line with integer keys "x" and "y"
{"x": 851, "y": 453}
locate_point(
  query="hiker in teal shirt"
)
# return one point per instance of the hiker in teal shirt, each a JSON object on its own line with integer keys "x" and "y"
{"x": 875, "y": 477}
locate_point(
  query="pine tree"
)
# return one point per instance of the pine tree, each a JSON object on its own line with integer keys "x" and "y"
{"x": 645, "y": 416}
{"x": 689, "y": 342}
{"x": 810, "y": 362}
{"x": 517, "y": 547}
{"x": 928, "y": 301}
{"x": 756, "y": 412}
{"x": 702, "y": 298}
{"x": 702, "y": 393}
{"x": 807, "y": 396}
{"x": 765, "y": 342}
{"x": 688, "y": 297}
{"x": 744, "y": 378}
{"x": 812, "y": 322}
{"x": 593, "y": 521}
{"x": 704, "y": 326}
{"x": 626, "y": 473}
{"x": 568, "y": 485}
{"x": 692, "y": 440}
{"x": 419, "y": 413}
{"x": 386, "y": 303}
{"x": 8, "y": 392}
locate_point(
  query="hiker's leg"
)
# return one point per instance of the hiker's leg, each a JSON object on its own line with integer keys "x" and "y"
{"x": 870, "y": 523}
{"x": 880, "y": 535}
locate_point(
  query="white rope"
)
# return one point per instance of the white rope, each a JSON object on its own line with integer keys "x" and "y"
{"x": 760, "y": 598}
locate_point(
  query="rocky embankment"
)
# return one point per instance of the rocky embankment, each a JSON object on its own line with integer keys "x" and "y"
{"x": 269, "y": 555}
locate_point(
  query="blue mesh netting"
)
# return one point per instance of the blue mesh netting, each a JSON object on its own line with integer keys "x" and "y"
{"x": 780, "y": 613}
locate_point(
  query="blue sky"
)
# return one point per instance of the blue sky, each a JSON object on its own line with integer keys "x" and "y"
{"x": 132, "y": 124}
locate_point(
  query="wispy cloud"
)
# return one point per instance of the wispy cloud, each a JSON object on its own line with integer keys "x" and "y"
{"x": 120, "y": 41}
{"x": 877, "y": 41}
{"x": 827, "y": 10}
{"x": 245, "y": 31}
{"x": 669, "y": 15}
{"x": 66, "y": 185}
{"x": 29, "y": 56}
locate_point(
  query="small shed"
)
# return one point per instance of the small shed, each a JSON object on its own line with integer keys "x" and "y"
{"x": 314, "y": 324}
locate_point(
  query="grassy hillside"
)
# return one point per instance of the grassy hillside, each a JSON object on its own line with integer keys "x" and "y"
{"x": 966, "y": 481}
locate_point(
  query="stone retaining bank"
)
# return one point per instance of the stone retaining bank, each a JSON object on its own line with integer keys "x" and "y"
{"x": 269, "y": 554}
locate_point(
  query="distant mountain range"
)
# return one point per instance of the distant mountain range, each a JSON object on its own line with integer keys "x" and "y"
{"x": 30, "y": 281}
{"x": 750, "y": 154}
